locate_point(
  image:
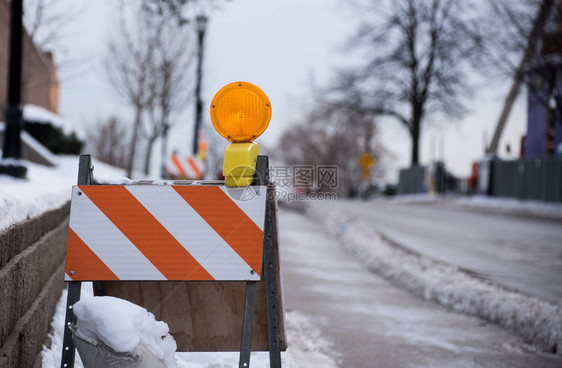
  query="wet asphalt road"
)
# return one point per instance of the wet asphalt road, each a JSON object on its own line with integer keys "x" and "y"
{"x": 521, "y": 253}
{"x": 372, "y": 324}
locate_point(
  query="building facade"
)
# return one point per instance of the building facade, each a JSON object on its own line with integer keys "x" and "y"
{"x": 40, "y": 82}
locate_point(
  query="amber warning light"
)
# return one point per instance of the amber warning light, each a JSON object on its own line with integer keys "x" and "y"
{"x": 240, "y": 112}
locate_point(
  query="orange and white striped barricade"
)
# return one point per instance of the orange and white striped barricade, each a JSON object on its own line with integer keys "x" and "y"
{"x": 139, "y": 234}
{"x": 185, "y": 167}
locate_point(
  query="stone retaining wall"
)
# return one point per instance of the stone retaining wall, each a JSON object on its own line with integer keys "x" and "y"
{"x": 31, "y": 280}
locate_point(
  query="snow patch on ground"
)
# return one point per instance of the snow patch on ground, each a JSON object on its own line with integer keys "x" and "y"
{"x": 414, "y": 198}
{"x": 538, "y": 321}
{"x": 46, "y": 188}
{"x": 307, "y": 346}
{"x": 51, "y": 357}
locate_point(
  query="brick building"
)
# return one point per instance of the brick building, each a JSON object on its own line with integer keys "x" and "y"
{"x": 40, "y": 83}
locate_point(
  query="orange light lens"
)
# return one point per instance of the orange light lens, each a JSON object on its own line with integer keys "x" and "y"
{"x": 240, "y": 112}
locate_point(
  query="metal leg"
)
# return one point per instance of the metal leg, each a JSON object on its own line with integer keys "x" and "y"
{"x": 68, "y": 350}
{"x": 269, "y": 241}
{"x": 85, "y": 177}
{"x": 247, "y": 324}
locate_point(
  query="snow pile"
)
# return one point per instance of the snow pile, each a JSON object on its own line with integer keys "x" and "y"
{"x": 538, "y": 321}
{"x": 122, "y": 326}
{"x": 513, "y": 206}
{"x": 38, "y": 114}
{"x": 307, "y": 346}
{"x": 46, "y": 188}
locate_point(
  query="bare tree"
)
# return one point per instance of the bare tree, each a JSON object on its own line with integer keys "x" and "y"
{"x": 513, "y": 28}
{"x": 128, "y": 65}
{"x": 182, "y": 10}
{"x": 45, "y": 22}
{"x": 317, "y": 140}
{"x": 516, "y": 46}
{"x": 106, "y": 141}
{"x": 417, "y": 53}
{"x": 168, "y": 67}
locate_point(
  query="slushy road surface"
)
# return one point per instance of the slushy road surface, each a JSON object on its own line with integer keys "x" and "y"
{"x": 521, "y": 253}
{"x": 372, "y": 324}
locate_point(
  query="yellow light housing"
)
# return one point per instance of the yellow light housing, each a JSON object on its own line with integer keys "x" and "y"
{"x": 240, "y": 112}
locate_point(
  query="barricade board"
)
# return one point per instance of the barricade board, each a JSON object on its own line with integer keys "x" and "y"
{"x": 205, "y": 316}
{"x": 165, "y": 232}
{"x": 185, "y": 167}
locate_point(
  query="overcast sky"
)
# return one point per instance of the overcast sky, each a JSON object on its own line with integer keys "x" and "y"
{"x": 280, "y": 45}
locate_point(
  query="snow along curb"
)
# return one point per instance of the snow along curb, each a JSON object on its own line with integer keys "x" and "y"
{"x": 537, "y": 321}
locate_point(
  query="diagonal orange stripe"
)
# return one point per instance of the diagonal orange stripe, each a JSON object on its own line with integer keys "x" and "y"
{"x": 145, "y": 232}
{"x": 84, "y": 262}
{"x": 194, "y": 168}
{"x": 178, "y": 165}
{"x": 228, "y": 220}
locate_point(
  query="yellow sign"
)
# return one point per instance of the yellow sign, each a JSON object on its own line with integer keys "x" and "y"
{"x": 366, "y": 160}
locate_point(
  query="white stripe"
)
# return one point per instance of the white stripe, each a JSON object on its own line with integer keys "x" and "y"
{"x": 190, "y": 172}
{"x": 251, "y": 200}
{"x": 197, "y": 163}
{"x": 109, "y": 244}
{"x": 66, "y": 277}
{"x": 192, "y": 232}
{"x": 172, "y": 169}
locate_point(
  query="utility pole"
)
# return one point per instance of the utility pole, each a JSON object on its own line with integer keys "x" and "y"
{"x": 164, "y": 156}
{"x": 201, "y": 24}
{"x": 13, "y": 112}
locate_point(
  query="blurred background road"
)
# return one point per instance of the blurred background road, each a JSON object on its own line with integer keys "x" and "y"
{"x": 372, "y": 324}
{"x": 521, "y": 253}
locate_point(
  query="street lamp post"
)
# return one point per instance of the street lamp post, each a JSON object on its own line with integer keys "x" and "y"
{"x": 13, "y": 112}
{"x": 200, "y": 23}
{"x": 164, "y": 156}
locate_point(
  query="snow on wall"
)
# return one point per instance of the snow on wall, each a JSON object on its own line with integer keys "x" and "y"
{"x": 537, "y": 321}
{"x": 38, "y": 114}
{"x": 46, "y": 188}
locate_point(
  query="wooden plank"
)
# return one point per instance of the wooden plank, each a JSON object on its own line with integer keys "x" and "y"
{"x": 202, "y": 316}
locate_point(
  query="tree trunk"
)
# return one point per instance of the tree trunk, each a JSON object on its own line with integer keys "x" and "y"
{"x": 133, "y": 145}
{"x": 415, "y": 134}
{"x": 148, "y": 153}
